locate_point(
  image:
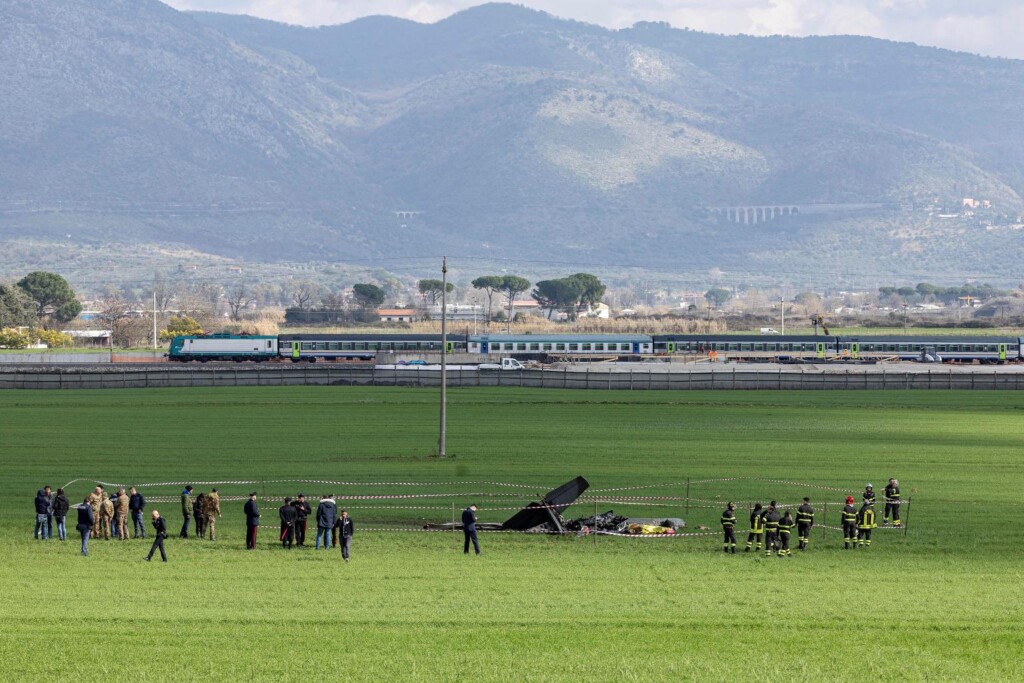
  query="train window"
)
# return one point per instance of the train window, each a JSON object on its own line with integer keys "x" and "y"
{"x": 305, "y": 346}
{"x": 547, "y": 347}
{"x": 904, "y": 347}
{"x": 535, "y": 347}
{"x": 759, "y": 347}
{"x": 560, "y": 347}
{"x": 941, "y": 348}
{"x": 574, "y": 347}
{"x": 520, "y": 347}
{"x": 584, "y": 347}
{"x": 268, "y": 343}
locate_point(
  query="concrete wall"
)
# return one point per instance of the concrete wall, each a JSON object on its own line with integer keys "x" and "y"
{"x": 286, "y": 375}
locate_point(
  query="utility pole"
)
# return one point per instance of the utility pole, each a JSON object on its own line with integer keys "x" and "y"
{"x": 444, "y": 360}
{"x": 154, "y": 317}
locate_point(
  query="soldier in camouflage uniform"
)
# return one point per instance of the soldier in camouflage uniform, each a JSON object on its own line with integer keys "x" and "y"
{"x": 212, "y": 512}
{"x": 121, "y": 514}
{"x": 106, "y": 516}
{"x": 96, "y": 502}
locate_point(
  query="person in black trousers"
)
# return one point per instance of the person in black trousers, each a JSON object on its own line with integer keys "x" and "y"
{"x": 252, "y": 521}
{"x": 469, "y": 529}
{"x": 85, "y": 521}
{"x": 160, "y": 527}
{"x": 289, "y": 516}
{"x": 303, "y": 508}
{"x": 345, "y": 530}
{"x": 729, "y": 528}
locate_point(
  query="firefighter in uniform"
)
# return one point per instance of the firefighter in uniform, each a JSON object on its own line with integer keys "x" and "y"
{"x": 869, "y": 494}
{"x": 756, "y": 529}
{"x": 865, "y": 523}
{"x": 729, "y": 528}
{"x": 771, "y": 530}
{"x": 849, "y": 518}
{"x": 804, "y": 522}
{"x": 892, "y": 503}
{"x": 786, "y": 525}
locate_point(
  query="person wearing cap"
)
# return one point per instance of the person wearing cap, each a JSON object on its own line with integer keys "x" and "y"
{"x": 252, "y": 521}
{"x": 303, "y": 510}
{"x": 326, "y": 516}
{"x": 756, "y": 529}
{"x": 869, "y": 493}
{"x": 865, "y": 523}
{"x": 212, "y": 513}
{"x": 804, "y": 522}
{"x": 892, "y": 503}
{"x": 849, "y": 520}
{"x": 160, "y": 527}
{"x": 469, "y": 529}
{"x": 289, "y": 515}
{"x": 771, "y": 529}
{"x": 729, "y": 528}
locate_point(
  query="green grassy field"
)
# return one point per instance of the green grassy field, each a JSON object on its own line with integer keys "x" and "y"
{"x": 945, "y": 602}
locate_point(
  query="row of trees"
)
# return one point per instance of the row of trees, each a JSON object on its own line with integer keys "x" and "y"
{"x": 927, "y": 292}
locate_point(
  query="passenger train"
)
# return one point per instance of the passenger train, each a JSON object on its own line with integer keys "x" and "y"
{"x": 343, "y": 346}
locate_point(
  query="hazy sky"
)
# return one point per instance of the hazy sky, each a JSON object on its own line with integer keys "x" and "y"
{"x": 990, "y": 27}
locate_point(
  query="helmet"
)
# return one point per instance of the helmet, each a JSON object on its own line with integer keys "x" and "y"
{"x": 868, "y": 486}
{"x": 849, "y": 500}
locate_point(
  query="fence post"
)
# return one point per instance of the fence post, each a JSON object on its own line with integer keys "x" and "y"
{"x": 594, "y": 529}
{"x": 906, "y": 518}
{"x": 454, "y": 534}
{"x": 825, "y": 517}
{"x": 687, "y": 496}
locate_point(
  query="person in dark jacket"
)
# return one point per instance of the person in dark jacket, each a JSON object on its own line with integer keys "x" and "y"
{"x": 43, "y": 512}
{"x": 160, "y": 527}
{"x": 804, "y": 522}
{"x": 786, "y": 525}
{"x": 136, "y": 504}
{"x": 186, "y": 510}
{"x": 469, "y": 529}
{"x": 252, "y": 521}
{"x": 304, "y": 510}
{"x": 771, "y": 529}
{"x": 869, "y": 493}
{"x": 86, "y": 518}
{"x": 849, "y": 520}
{"x": 756, "y": 529}
{"x": 61, "y": 505}
{"x": 326, "y": 515}
{"x": 346, "y": 529}
{"x": 729, "y": 528}
{"x": 289, "y": 515}
{"x": 199, "y": 512}
{"x": 865, "y": 523}
{"x": 892, "y": 503}
{"x": 49, "y": 517}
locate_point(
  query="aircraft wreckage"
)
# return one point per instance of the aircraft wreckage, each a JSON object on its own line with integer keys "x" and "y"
{"x": 546, "y": 516}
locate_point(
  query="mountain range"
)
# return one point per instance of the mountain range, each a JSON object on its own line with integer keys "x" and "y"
{"x": 502, "y": 131}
